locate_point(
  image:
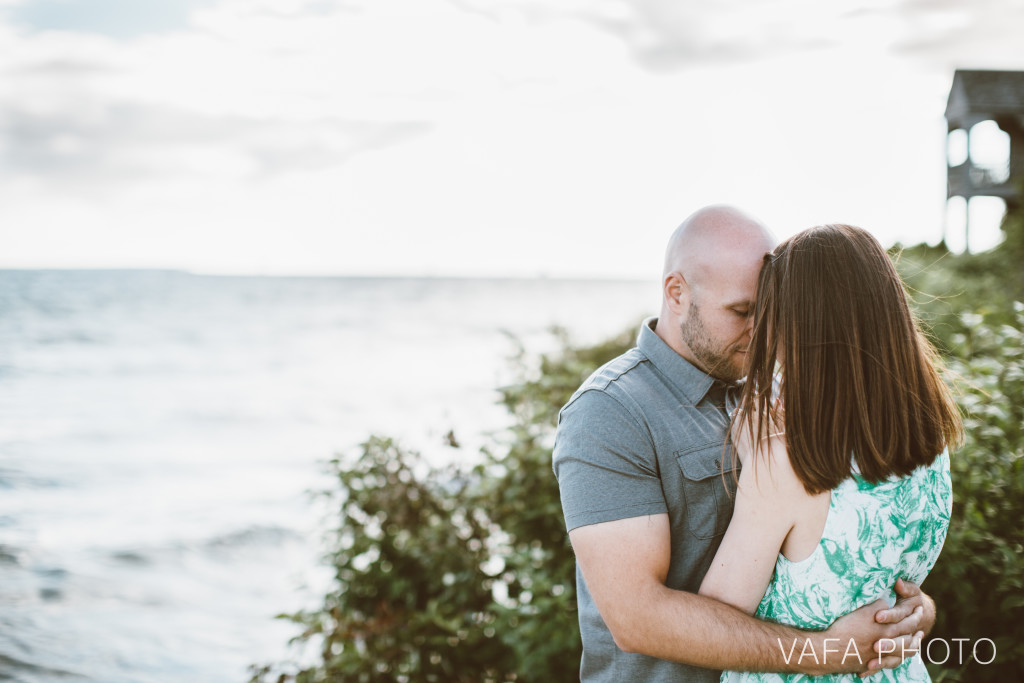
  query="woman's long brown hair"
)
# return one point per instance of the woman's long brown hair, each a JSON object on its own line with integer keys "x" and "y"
{"x": 858, "y": 378}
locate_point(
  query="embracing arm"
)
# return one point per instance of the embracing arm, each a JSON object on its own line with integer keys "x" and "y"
{"x": 625, "y": 563}
{"x": 614, "y": 506}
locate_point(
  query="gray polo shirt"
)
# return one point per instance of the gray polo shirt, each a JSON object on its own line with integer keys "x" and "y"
{"x": 645, "y": 435}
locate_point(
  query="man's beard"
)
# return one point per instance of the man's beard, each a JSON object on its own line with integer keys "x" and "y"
{"x": 715, "y": 360}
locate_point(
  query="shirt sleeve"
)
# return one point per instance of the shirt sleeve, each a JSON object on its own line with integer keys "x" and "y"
{"x": 605, "y": 463}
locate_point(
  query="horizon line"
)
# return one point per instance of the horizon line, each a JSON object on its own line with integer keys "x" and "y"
{"x": 321, "y": 276}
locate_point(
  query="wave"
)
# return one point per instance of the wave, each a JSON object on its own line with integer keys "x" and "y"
{"x": 10, "y": 666}
{"x": 250, "y": 536}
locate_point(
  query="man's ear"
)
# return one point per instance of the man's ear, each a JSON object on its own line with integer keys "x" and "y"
{"x": 676, "y": 292}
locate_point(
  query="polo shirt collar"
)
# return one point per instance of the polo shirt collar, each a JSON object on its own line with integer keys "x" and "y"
{"x": 693, "y": 382}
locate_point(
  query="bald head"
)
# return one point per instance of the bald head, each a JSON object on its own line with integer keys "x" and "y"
{"x": 709, "y": 283}
{"x": 711, "y": 237}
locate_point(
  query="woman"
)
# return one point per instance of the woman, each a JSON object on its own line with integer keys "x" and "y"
{"x": 842, "y": 430}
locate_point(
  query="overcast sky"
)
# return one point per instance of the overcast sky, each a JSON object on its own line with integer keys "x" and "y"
{"x": 470, "y": 137}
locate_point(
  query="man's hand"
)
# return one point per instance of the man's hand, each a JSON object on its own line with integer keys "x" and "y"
{"x": 913, "y": 615}
{"x": 883, "y": 636}
{"x": 856, "y": 633}
{"x": 910, "y": 598}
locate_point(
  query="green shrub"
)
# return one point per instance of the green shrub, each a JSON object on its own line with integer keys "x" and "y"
{"x": 411, "y": 600}
{"x": 978, "y": 582}
{"x": 944, "y": 286}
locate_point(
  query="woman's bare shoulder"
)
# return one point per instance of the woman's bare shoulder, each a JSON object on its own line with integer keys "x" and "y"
{"x": 770, "y": 470}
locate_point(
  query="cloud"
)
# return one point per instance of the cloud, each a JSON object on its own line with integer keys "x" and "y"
{"x": 61, "y": 68}
{"x": 666, "y": 34}
{"x": 948, "y": 34}
{"x": 121, "y": 19}
{"x": 98, "y": 144}
{"x": 89, "y": 113}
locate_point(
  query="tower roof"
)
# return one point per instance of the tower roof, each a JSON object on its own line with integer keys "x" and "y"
{"x": 977, "y": 95}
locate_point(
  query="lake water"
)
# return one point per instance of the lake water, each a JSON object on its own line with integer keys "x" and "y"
{"x": 159, "y": 432}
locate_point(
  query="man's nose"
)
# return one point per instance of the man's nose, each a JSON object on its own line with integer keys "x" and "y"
{"x": 748, "y": 329}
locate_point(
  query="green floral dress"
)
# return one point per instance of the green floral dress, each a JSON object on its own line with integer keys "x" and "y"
{"x": 874, "y": 534}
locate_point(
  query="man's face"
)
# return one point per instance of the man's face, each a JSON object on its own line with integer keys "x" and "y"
{"x": 717, "y": 331}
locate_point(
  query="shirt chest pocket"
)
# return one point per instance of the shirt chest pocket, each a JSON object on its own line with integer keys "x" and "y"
{"x": 709, "y": 495}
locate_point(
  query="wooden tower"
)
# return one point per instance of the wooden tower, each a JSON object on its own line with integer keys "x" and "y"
{"x": 977, "y": 96}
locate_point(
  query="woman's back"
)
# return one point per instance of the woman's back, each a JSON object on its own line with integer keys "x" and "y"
{"x": 873, "y": 535}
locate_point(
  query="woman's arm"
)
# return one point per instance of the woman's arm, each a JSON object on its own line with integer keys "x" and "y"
{"x": 767, "y": 500}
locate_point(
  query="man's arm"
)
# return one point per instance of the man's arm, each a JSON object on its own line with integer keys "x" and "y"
{"x": 625, "y": 563}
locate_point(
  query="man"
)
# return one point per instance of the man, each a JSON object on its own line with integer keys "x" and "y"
{"x": 638, "y": 458}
